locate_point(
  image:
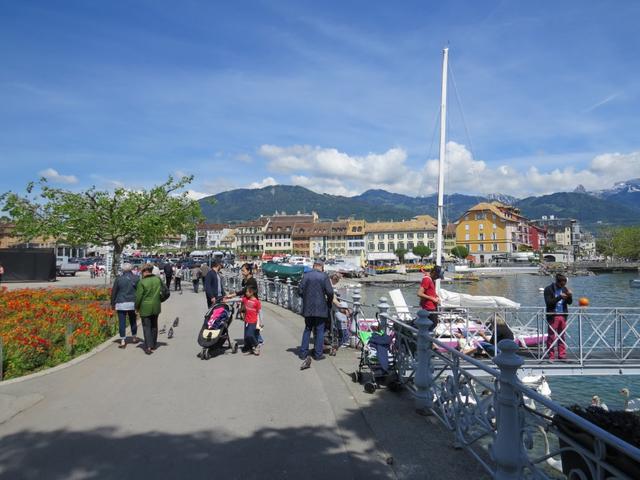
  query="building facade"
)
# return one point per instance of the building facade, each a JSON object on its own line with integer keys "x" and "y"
{"x": 250, "y": 237}
{"x": 492, "y": 231}
{"x": 390, "y": 236}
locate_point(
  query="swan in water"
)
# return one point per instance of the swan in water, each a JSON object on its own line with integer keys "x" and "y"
{"x": 630, "y": 405}
{"x": 552, "y": 462}
{"x": 596, "y": 401}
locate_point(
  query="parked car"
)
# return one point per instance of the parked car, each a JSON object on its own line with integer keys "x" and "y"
{"x": 65, "y": 266}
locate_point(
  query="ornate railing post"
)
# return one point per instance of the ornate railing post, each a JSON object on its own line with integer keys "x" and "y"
{"x": 276, "y": 290}
{"x": 289, "y": 292}
{"x": 383, "y": 313}
{"x": 424, "y": 373}
{"x": 356, "y": 297}
{"x": 508, "y": 448}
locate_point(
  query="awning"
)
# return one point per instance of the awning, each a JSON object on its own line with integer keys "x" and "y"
{"x": 384, "y": 256}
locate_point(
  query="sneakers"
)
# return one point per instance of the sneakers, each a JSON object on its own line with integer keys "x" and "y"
{"x": 306, "y": 363}
{"x": 123, "y": 343}
{"x": 256, "y": 350}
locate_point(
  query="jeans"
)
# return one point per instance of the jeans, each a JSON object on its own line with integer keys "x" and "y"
{"x": 150, "y": 329}
{"x": 196, "y": 283}
{"x": 344, "y": 337}
{"x": 168, "y": 280}
{"x": 434, "y": 318}
{"x": 122, "y": 327}
{"x": 317, "y": 325}
{"x": 250, "y": 340}
{"x": 556, "y": 328}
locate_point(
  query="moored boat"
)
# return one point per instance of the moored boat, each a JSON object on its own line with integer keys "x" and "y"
{"x": 283, "y": 271}
{"x": 635, "y": 283}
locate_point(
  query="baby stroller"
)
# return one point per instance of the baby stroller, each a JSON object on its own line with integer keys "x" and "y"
{"x": 377, "y": 361}
{"x": 215, "y": 330}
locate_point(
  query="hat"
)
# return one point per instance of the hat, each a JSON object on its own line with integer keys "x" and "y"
{"x": 343, "y": 304}
{"x": 318, "y": 262}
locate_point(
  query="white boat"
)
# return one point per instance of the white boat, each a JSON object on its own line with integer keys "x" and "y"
{"x": 635, "y": 283}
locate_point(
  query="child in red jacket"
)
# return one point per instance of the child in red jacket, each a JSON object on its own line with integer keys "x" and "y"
{"x": 251, "y": 308}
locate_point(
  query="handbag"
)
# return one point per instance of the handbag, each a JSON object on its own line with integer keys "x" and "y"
{"x": 164, "y": 292}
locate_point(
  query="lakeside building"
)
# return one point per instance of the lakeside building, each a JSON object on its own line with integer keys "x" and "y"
{"x": 328, "y": 239}
{"x": 250, "y": 237}
{"x": 492, "y": 231}
{"x": 449, "y": 239}
{"x": 356, "y": 230}
{"x": 209, "y": 236}
{"x": 278, "y": 232}
{"x": 563, "y": 233}
{"x": 406, "y": 234}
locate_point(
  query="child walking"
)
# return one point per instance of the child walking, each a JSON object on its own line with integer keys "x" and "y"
{"x": 251, "y": 307}
{"x": 342, "y": 319}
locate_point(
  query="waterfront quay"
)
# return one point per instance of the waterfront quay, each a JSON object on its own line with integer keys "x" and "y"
{"x": 121, "y": 414}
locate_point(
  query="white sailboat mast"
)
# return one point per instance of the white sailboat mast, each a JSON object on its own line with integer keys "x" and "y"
{"x": 443, "y": 140}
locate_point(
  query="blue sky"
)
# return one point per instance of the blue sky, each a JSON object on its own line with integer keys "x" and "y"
{"x": 335, "y": 96}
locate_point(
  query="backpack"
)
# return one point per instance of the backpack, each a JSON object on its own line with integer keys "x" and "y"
{"x": 164, "y": 292}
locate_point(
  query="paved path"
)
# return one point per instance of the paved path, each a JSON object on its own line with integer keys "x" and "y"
{"x": 122, "y": 414}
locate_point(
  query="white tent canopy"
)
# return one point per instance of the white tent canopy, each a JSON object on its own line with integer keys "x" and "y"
{"x": 455, "y": 299}
{"x": 383, "y": 256}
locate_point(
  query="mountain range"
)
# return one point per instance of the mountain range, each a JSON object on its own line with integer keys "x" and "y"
{"x": 619, "y": 205}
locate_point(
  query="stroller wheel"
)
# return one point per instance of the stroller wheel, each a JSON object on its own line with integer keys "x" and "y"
{"x": 234, "y": 349}
{"x": 356, "y": 377}
{"x": 369, "y": 387}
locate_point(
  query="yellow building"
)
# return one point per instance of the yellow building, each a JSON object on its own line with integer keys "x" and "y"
{"x": 491, "y": 231}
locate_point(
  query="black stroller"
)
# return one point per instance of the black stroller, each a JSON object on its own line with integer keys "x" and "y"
{"x": 215, "y": 331}
{"x": 377, "y": 362}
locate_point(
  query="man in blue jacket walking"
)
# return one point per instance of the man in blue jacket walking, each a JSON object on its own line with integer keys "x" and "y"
{"x": 213, "y": 289}
{"x": 317, "y": 296}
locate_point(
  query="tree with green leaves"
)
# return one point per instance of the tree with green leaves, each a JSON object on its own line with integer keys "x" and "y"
{"x": 460, "y": 251}
{"x": 104, "y": 218}
{"x": 401, "y": 252}
{"x": 421, "y": 251}
{"x": 626, "y": 243}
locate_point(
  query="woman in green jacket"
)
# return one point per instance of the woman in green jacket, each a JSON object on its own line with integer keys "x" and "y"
{"x": 148, "y": 306}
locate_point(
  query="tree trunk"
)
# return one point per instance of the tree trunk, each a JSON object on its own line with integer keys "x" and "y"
{"x": 117, "y": 255}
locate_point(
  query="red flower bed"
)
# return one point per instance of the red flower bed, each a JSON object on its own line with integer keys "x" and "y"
{"x": 45, "y": 327}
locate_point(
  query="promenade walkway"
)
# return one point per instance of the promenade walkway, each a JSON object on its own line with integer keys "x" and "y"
{"x": 122, "y": 414}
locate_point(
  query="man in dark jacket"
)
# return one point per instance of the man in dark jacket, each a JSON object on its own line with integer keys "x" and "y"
{"x": 557, "y": 297}
{"x": 123, "y": 298}
{"x": 317, "y": 296}
{"x": 168, "y": 273}
{"x": 213, "y": 288}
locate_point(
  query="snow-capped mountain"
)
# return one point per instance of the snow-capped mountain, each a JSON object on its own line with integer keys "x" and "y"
{"x": 502, "y": 198}
{"x": 627, "y": 193}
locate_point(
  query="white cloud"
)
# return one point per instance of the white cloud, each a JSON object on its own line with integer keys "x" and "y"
{"x": 194, "y": 195}
{"x": 331, "y": 171}
{"x": 265, "y": 182}
{"x": 244, "y": 158}
{"x": 53, "y": 176}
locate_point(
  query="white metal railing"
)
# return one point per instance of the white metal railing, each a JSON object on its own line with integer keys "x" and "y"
{"x": 512, "y": 430}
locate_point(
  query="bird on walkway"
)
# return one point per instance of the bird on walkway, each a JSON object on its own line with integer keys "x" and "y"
{"x": 176, "y": 321}
{"x": 170, "y": 333}
{"x": 596, "y": 401}
{"x": 163, "y": 330}
{"x": 630, "y": 405}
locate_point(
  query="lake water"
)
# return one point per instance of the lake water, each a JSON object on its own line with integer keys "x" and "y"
{"x": 606, "y": 290}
